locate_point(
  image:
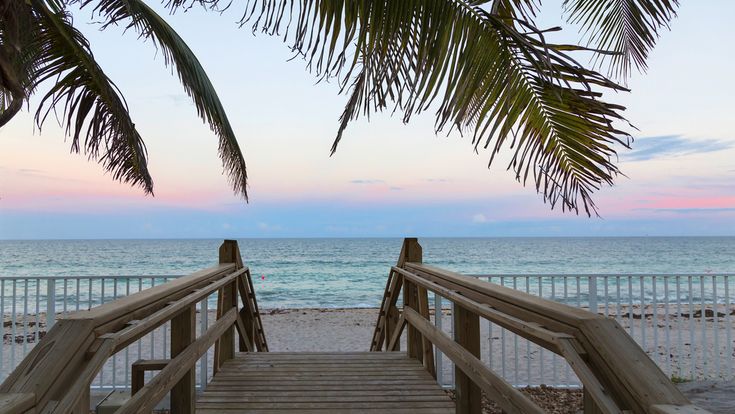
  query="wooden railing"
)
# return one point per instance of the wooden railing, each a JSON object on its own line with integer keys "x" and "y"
{"x": 55, "y": 377}
{"x": 617, "y": 374}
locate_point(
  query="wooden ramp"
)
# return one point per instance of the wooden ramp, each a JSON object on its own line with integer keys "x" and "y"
{"x": 371, "y": 382}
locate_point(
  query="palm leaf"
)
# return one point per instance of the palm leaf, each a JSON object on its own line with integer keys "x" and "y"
{"x": 149, "y": 25}
{"x": 491, "y": 72}
{"x": 95, "y": 114}
{"x": 628, "y": 28}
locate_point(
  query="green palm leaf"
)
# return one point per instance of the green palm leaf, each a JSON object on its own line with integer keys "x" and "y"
{"x": 628, "y": 28}
{"x": 95, "y": 114}
{"x": 491, "y": 72}
{"x": 149, "y": 25}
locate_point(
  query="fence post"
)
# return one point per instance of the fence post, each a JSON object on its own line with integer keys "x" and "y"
{"x": 466, "y": 334}
{"x": 50, "y": 302}
{"x": 592, "y": 293}
{"x": 229, "y": 252}
{"x": 411, "y": 252}
{"x": 183, "y": 333}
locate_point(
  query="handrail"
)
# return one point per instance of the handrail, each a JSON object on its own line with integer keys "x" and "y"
{"x": 616, "y": 373}
{"x": 58, "y": 371}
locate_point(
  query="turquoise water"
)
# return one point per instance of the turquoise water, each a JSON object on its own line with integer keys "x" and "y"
{"x": 352, "y": 272}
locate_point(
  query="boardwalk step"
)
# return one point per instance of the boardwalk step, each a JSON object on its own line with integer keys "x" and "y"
{"x": 306, "y": 382}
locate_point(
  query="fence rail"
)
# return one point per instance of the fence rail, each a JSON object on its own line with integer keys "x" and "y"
{"x": 685, "y": 322}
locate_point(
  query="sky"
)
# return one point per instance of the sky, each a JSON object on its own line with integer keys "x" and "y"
{"x": 387, "y": 178}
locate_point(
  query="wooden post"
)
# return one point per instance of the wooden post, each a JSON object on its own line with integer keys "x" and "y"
{"x": 588, "y": 403}
{"x": 411, "y": 252}
{"x": 427, "y": 349}
{"x": 467, "y": 334}
{"x": 84, "y": 405}
{"x": 183, "y": 333}
{"x": 229, "y": 252}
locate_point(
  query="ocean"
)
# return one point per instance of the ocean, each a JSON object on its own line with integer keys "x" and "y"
{"x": 304, "y": 273}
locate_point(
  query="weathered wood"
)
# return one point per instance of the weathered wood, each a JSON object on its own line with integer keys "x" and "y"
{"x": 677, "y": 409}
{"x": 245, "y": 340}
{"x": 52, "y": 365}
{"x": 227, "y": 340}
{"x": 260, "y": 341}
{"x": 379, "y": 382}
{"x": 531, "y": 331}
{"x": 16, "y": 403}
{"x": 78, "y": 394}
{"x": 426, "y": 347}
{"x": 469, "y": 365}
{"x": 140, "y": 328}
{"x": 596, "y": 398}
{"x": 139, "y": 368}
{"x": 183, "y": 334}
{"x": 395, "y": 339}
{"x": 467, "y": 335}
{"x": 147, "y": 398}
{"x": 163, "y": 293}
{"x": 388, "y": 315}
{"x": 614, "y": 354}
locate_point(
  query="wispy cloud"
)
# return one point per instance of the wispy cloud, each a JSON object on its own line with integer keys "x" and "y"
{"x": 367, "y": 182}
{"x": 647, "y": 148}
{"x": 690, "y": 210}
{"x": 438, "y": 180}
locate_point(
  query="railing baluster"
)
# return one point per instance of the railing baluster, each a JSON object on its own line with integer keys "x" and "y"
{"x": 654, "y": 319}
{"x": 728, "y": 328}
{"x": 667, "y": 319}
{"x": 703, "y": 326}
{"x": 691, "y": 327}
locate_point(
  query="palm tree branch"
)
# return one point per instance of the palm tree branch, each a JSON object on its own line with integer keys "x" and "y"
{"x": 149, "y": 25}
{"x": 626, "y": 29}
{"x": 93, "y": 106}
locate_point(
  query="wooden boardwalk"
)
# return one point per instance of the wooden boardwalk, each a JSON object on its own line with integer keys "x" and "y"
{"x": 371, "y": 382}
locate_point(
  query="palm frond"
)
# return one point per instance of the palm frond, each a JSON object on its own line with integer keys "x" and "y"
{"x": 94, "y": 113}
{"x": 491, "y": 74}
{"x": 149, "y": 25}
{"x": 627, "y": 28}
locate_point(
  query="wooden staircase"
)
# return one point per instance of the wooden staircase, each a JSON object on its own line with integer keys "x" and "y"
{"x": 365, "y": 382}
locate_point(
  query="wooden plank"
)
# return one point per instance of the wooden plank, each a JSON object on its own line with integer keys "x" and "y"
{"x": 79, "y": 388}
{"x": 183, "y": 334}
{"x": 244, "y": 335}
{"x": 505, "y": 395}
{"x": 141, "y": 327}
{"x": 594, "y": 391}
{"x": 260, "y": 341}
{"x": 16, "y": 403}
{"x": 388, "y": 314}
{"x": 54, "y": 363}
{"x": 147, "y": 398}
{"x": 677, "y": 409}
{"x": 504, "y": 296}
{"x": 467, "y": 335}
{"x": 325, "y": 382}
{"x": 395, "y": 339}
{"x": 426, "y": 347}
{"x": 529, "y": 330}
{"x": 126, "y": 305}
{"x": 614, "y": 355}
{"x": 325, "y": 411}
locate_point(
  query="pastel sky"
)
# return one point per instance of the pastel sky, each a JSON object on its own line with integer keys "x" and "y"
{"x": 387, "y": 178}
